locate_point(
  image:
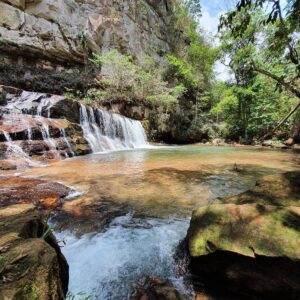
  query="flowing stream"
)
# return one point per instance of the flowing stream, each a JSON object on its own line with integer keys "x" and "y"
{"x": 136, "y": 205}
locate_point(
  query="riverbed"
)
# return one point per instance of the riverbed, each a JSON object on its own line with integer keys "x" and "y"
{"x": 132, "y": 208}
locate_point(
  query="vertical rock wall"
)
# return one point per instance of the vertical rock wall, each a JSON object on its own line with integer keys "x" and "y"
{"x": 55, "y": 36}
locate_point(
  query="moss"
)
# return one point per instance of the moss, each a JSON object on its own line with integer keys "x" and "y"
{"x": 28, "y": 292}
{"x": 245, "y": 229}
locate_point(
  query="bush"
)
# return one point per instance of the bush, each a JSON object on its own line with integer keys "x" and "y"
{"x": 122, "y": 78}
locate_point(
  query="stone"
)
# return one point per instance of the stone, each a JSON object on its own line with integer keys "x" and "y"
{"x": 155, "y": 289}
{"x": 248, "y": 229}
{"x": 277, "y": 190}
{"x": 248, "y": 245}
{"x": 7, "y": 165}
{"x": 130, "y": 26}
{"x": 17, "y": 3}
{"x": 31, "y": 263}
{"x": 11, "y": 17}
{"x": 41, "y": 193}
{"x": 289, "y": 142}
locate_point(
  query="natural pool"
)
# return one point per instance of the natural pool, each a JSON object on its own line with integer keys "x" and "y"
{"x": 135, "y": 208}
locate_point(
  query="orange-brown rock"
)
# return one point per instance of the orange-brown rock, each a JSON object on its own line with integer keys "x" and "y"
{"x": 41, "y": 193}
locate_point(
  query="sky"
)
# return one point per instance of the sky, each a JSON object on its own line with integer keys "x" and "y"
{"x": 211, "y": 11}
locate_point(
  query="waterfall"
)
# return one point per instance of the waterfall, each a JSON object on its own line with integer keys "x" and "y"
{"x": 107, "y": 131}
{"x": 27, "y": 115}
{"x": 16, "y": 153}
{"x": 29, "y": 108}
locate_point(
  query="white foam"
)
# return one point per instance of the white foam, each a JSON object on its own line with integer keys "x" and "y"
{"x": 107, "y": 265}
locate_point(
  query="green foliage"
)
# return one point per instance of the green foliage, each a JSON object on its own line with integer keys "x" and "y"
{"x": 124, "y": 78}
{"x": 194, "y": 8}
{"x": 249, "y": 112}
{"x": 77, "y": 296}
{"x": 261, "y": 44}
{"x": 180, "y": 70}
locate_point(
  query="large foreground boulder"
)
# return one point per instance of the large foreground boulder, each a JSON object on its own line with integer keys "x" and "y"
{"x": 31, "y": 263}
{"x": 249, "y": 245}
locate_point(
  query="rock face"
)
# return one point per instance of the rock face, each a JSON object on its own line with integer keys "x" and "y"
{"x": 31, "y": 263}
{"x": 56, "y": 36}
{"x": 250, "y": 244}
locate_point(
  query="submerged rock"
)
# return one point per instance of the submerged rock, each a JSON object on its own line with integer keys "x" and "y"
{"x": 31, "y": 263}
{"x": 41, "y": 193}
{"x": 251, "y": 245}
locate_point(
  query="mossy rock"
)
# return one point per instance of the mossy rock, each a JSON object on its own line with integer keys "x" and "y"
{"x": 31, "y": 263}
{"x": 250, "y": 229}
{"x": 278, "y": 190}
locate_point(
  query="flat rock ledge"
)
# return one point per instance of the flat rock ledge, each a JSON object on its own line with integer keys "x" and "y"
{"x": 31, "y": 263}
{"x": 41, "y": 193}
{"x": 249, "y": 245}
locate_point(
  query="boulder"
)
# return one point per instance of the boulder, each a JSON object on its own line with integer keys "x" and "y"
{"x": 289, "y": 142}
{"x": 249, "y": 245}
{"x": 31, "y": 263}
{"x": 251, "y": 250}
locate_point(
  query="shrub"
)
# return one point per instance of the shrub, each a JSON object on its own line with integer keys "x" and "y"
{"x": 123, "y": 77}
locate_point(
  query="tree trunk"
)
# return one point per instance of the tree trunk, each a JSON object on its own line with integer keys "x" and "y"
{"x": 281, "y": 122}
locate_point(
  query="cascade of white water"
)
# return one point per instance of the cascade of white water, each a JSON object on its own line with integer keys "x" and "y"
{"x": 15, "y": 152}
{"x": 110, "y": 131}
{"x": 38, "y": 105}
{"x": 64, "y": 136}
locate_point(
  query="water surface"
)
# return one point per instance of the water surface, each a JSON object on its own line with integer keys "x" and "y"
{"x": 135, "y": 208}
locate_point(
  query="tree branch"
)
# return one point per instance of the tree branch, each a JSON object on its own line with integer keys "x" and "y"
{"x": 281, "y": 81}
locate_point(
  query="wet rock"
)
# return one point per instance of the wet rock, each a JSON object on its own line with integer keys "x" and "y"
{"x": 155, "y": 289}
{"x": 66, "y": 109}
{"x": 41, "y": 193}
{"x": 82, "y": 147}
{"x": 7, "y": 165}
{"x": 290, "y": 142}
{"x": 31, "y": 263}
{"x": 252, "y": 249}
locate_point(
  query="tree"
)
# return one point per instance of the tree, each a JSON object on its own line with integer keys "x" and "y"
{"x": 267, "y": 41}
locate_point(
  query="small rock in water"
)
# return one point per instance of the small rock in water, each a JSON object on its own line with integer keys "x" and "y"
{"x": 155, "y": 288}
{"x": 7, "y": 165}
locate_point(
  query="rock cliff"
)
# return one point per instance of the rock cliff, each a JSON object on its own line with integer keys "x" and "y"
{"x": 38, "y": 38}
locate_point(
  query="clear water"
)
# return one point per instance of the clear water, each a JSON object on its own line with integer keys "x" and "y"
{"x": 136, "y": 206}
